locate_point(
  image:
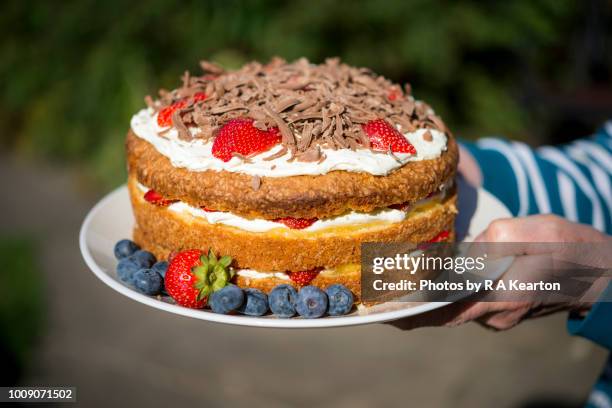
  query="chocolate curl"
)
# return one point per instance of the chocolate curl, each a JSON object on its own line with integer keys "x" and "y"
{"x": 276, "y": 155}
{"x": 287, "y": 135}
{"x": 304, "y": 141}
{"x": 286, "y": 103}
{"x": 211, "y": 67}
{"x": 313, "y": 106}
{"x": 390, "y": 153}
{"x": 185, "y": 79}
{"x": 149, "y": 101}
{"x": 255, "y": 183}
{"x": 183, "y": 131}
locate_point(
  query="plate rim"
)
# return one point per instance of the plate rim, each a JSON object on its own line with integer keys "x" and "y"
{"x": 267, "y": 322}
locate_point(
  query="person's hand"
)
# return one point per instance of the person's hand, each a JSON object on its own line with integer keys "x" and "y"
{"x": 503, "y": 315}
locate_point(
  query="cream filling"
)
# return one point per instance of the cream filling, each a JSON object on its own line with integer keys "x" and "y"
{"x": 386, "y": 215}
{"x": 196, "y": 155}
{"x": 253, "y": 274}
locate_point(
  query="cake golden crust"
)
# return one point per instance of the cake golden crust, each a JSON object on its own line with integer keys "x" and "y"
{"x": 298, "y": 196}
{"x": 162, "y": 231}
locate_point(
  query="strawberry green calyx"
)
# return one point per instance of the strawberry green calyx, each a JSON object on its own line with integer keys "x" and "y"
{"x": 213, "y": 274}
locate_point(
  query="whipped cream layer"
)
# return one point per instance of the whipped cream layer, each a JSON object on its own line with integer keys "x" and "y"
{"x": 196, "y": 155}
{"x": 253, "y": 274}
{"x": 388, "y": 215}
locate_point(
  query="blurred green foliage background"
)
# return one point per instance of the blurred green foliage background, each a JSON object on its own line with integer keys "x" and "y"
{"x": 21, "y": 305}
{"x": 73, "y": 73}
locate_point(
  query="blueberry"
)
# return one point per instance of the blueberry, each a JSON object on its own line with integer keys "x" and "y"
{"x": 311, "y": 302}
{"x": 340, "y": 300}
{"x": 148, "y": 281}
{"x": 227, "y": 299}
{"x": 126, "y": 268}
{"x": 125, "y": 248}
{"x": 160, "y": 267}
{"x": 282, "y": 300}
{"x": 256, "y": 303}
{"x": 144, "y": 259}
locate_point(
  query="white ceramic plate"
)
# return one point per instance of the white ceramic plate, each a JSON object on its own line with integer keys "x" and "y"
{"x": 111, "y": 220}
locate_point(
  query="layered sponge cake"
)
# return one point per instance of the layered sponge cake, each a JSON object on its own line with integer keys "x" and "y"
{"x": 288, "y": 168}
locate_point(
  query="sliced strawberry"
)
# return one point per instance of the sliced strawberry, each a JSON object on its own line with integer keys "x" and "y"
{"x": 240, "y": 136}
{"x": 296, "y": 223}
{"x": 441, "y": 237}
{"x": 154, "y": 197}
{"x": 382, "y": 136}
{"x": 303, "y": 278}
{"x": 198, "y": 97}
{"x": 164, "y": 117}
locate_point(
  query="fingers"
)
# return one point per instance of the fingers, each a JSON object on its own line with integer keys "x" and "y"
{"x": 505, "y": 315}
{"x": 535, "y": 236}
{"x": 542, "y": 234}
{"x": 439, "y": 317}
{"x": 539, "y": 228}
{"x": 492, "y": 315}
{"x": 452, "y": 315}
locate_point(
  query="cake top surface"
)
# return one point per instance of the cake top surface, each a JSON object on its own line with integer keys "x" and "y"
{"x": 313, "y": 107}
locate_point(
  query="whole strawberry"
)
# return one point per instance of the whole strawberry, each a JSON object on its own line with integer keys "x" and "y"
{"x": 296, "y": 223}
{"x": 240, "y": 136}
{"x": 384, "y": 136}
{"x": 193, "y": 275}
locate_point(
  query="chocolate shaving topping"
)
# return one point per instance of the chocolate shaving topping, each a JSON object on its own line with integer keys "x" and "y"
{"x": 149, "y": 101}
{"x": 390, "y": 153}
{"x": 313, "y": 106}
{"x": 246, "y": 159}
{"x": 286, "y": 103}
{"x": 286, "y": 133}
{"x": 183, "y": 131}
{"x": 256, "y": 182}
{"x": 276, "y": 155}
{"x": 310, "y": 155}
{"x": 211, "y": 68}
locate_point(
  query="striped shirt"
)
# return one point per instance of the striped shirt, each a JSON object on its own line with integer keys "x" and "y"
{"x": 573, "y": 180}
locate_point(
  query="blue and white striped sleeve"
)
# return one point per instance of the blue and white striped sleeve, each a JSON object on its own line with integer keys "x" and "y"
{"x": 573, "y": 180}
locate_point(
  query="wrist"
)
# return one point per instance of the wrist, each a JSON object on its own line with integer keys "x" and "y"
{"x": 468, "y": 167}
